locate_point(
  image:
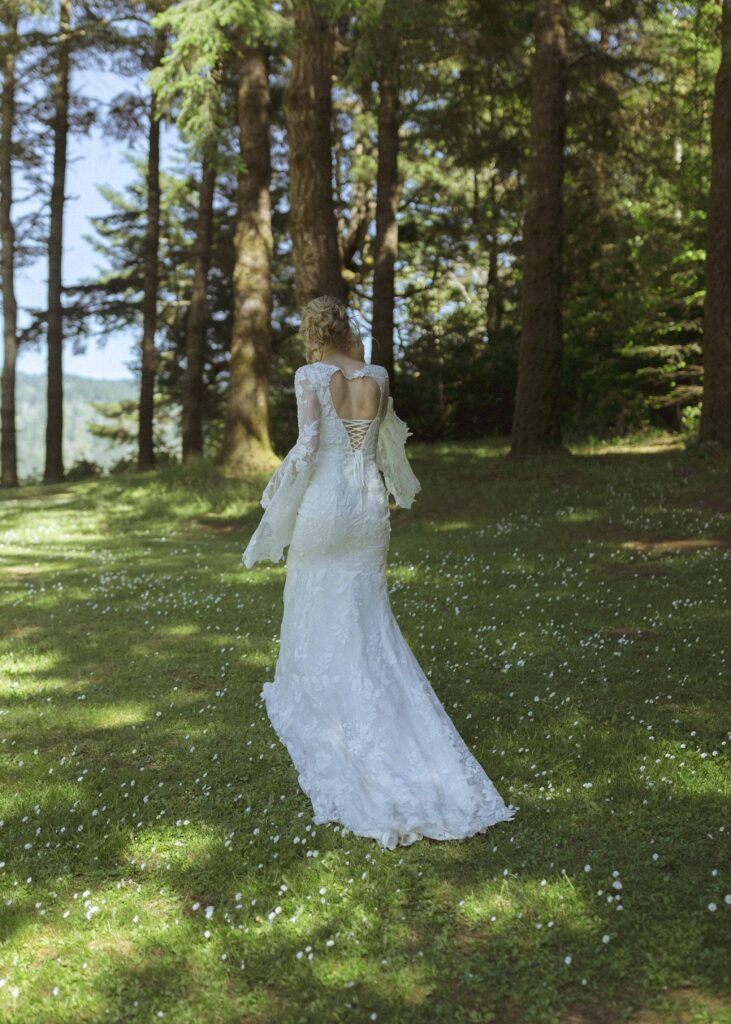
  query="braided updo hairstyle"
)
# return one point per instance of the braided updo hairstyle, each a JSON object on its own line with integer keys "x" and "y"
{"x": 325, "y": 321}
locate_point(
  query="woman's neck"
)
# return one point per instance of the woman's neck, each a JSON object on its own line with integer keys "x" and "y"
{"x": 334, "y": 355}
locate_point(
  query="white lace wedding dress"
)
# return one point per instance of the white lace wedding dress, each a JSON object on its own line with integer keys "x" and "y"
{"x": 373, "y": 746}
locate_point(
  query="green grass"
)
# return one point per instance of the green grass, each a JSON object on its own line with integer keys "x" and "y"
{"x": 158, "y": 860}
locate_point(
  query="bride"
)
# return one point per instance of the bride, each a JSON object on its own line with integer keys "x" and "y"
{"x": 373, "y": 746}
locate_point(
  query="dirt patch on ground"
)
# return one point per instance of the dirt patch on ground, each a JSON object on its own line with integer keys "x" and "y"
{"x": 684, "y": 1005}
{"x": 617, "y": 632}
{"x": 217, "y": 524}
{"x": 716, "y": 500}
{"x": 681, "y": 544}
{"x": 602, "y": 1015}
{"x": 619, "y": 536}
{"x": 20, "y": 632}
{"x": 117, "y": 946}
{"x": 24, "y": 570}
{"x": 666, "y": 443}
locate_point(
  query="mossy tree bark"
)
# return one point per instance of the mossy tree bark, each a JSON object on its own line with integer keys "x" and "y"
{"x": 308, "y": 111}
{"x": 715, "y": 424}
{"x": 54, "y": 471}
{"x": 9, "y": 475}
{"x": 387, "y": 199}
{"x": 536, "y": 419}
{"x": 151, "y": 272}
{"x": 196, "y": 327}
{"x": 247, "y": 444}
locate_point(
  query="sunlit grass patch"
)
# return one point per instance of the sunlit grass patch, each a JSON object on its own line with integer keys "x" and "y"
{"x": 158, "y": 857}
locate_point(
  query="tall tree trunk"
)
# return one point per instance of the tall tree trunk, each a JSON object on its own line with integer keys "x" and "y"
{"x": 196, "y": 327}
{"x": 494, "y": 284}
{"x": 494, "y": 309}
{"x": 246, "y": 443}
{"x": 308, "y": 111}
{"x": 7, "y": 239}
{"x": 715, "y": 422}
{"x": 353, "y": 231}
{"x": 145, "y": 437}
{"x": 387, "y": 197}
{"x": 494, "y": 302}
{"x": 536, "y": 420}
{"x": 53, "y": 471}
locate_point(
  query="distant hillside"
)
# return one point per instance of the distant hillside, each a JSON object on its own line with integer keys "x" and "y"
{"x": 78, "y": 442}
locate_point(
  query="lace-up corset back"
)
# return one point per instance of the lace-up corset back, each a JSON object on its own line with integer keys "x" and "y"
{"x": 332, "y": 474}
{"x": 357, "y": 430}
{"x": 346, "y": 427}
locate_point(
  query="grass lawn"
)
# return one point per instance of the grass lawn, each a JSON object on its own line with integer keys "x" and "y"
{"x": 158, "y": 860}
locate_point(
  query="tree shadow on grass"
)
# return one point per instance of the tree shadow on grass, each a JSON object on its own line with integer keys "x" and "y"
{"x": 506, "y": 967}
{"x": 437, "y": 961}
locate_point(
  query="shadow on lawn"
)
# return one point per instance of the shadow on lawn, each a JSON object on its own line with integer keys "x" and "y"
{"x": 490, "y": 967}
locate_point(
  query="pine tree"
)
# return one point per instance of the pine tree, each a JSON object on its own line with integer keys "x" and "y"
{"x": 148, "y": 369}
{"x": 715, "y": 423}
{"x": 308, "y": 109}
{"x": 536, "y": 420}
{"x": 246, "y": 443}
{"x": 7, "y": 240}
{"x": 197, "y": 322}
{"x": 53, "y": 471}
{"x": 215, "y": 43}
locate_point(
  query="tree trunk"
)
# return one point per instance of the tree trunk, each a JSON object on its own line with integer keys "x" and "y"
{"x": 53, "y": 472}
{"x": 246, "y": 444}
{"x": 196, "y": 327}
{"x": 387, "y": 198}
{"x": 715, "y": 424}
{"x": 7, "y": 239}
{"x": 495, "y": 296}
{"x": 308, "y": 111}
{"x": 536, "y": 420}
{"x": 145, "y": 437}
{"x": 353, "y": 231}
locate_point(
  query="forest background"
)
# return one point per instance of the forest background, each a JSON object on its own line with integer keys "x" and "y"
{"x": 513, "y": 198}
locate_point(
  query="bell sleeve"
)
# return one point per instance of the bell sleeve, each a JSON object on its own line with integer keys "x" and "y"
{"x": 283, "y": 494}
{"x": 398, "y": 475}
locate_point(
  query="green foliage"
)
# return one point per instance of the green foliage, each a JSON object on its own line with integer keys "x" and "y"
{"x": 191, "y": 75}
{"x": 114, "y": 299}
{"x": 691, "y": 420}
{"x": 119, "y": 425}
{"x": 83, "y": 469}
{"x": 637, "y": 168}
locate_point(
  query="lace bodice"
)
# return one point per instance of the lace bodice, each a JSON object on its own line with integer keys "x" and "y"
{"x": 315, "y": 404}
{"x": 360, "y": 447}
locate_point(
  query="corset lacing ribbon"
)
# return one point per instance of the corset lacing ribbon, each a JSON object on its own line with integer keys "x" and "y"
{"x": 357, "y": 430}
{"x": 358, "y": 473}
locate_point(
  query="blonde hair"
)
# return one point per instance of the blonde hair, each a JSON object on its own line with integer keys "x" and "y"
{"x": 325, "y": 321}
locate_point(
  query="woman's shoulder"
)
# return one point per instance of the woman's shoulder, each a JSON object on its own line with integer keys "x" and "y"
{"x": 321, "y": 369}
{"x": 311, "y": 372}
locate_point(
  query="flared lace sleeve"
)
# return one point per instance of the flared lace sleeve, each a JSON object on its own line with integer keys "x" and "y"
{"x": 398, "y": 475}
{"x": 283, "y": 494}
